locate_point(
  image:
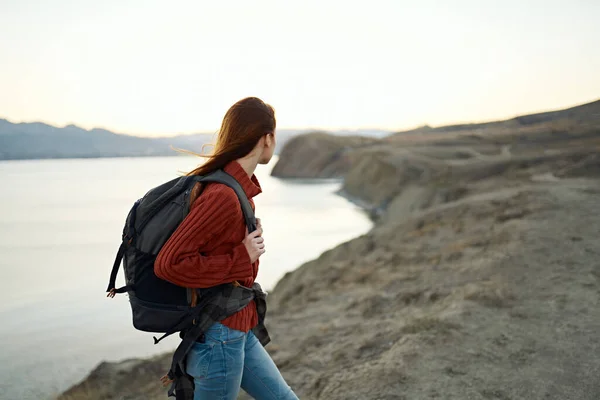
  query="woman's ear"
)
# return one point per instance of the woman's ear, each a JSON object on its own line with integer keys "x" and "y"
{"x": 269, "y": 140}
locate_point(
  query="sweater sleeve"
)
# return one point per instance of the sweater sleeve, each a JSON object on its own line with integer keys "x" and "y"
{"x": 181, "y": 260}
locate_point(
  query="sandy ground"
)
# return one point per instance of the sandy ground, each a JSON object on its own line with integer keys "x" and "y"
{"x": 490, "y": 297}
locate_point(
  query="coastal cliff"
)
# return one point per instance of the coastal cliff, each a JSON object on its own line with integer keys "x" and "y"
{"x": 318, "y": 155}
{"x": 480, "y": 279}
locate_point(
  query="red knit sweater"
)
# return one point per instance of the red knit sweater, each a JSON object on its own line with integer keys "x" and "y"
{"x": 206, "y": 249}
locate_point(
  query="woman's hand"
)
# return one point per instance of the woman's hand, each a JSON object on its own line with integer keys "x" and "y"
{"x": 254, "y": 242}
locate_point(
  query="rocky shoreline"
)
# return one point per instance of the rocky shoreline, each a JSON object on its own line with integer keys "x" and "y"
{"x": 480, "y": 279}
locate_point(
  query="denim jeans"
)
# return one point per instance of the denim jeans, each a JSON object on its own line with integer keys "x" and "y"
{"x": 229, "y": 359}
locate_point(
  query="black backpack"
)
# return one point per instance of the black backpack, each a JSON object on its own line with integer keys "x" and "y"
{"x": 157, "y": 305}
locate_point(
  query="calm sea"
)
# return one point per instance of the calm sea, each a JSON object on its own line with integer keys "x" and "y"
{"x": 60, "y": 225}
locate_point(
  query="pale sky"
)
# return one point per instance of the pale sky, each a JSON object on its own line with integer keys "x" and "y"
{"x": 164, "y": 67}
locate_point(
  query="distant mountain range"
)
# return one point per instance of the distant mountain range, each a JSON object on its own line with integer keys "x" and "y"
{"x": 38, "y": 140}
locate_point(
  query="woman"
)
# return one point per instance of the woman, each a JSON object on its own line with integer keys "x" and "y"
{"x": 212, "y": 247}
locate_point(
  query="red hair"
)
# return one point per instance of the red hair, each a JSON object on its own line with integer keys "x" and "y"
{"x": 244, "y": 124}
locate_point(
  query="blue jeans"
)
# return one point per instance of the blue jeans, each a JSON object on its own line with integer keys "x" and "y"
{"x": 230, "y": 359}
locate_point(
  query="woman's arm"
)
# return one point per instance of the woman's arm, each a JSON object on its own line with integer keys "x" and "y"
{"x": 181, "y": 261}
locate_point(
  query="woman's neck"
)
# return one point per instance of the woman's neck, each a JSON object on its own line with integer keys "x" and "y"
{"x": 249, "y": 164}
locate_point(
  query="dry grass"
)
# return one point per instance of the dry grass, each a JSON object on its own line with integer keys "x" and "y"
{"x": 428, "y": 324}
{"x": 424, "y": 228}
{"x": 83, "y": 392}
{"x": 461, "y": 245}
{"x": 489, "y": 294}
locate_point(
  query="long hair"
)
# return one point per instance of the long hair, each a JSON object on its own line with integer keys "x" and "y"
{"x": 244, "y": 124}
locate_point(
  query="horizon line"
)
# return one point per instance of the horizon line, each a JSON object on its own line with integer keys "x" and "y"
{"x": 308, "y": 129}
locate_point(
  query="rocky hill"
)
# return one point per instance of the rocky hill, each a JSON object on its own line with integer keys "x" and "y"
{"x": 318, "y": 155}
{"x": 480, "y": 279}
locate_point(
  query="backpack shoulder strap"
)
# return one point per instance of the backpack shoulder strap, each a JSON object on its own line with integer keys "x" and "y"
{"x": 220, "y": 176}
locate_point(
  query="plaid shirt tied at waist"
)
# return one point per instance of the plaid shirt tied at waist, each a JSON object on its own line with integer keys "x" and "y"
{"x": 215, "y": 304}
